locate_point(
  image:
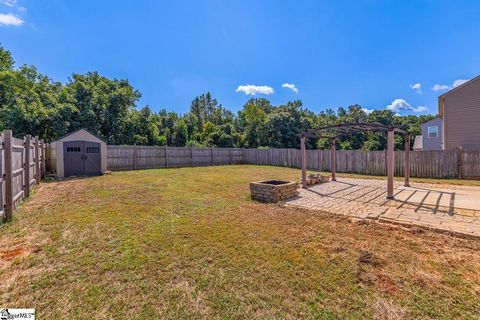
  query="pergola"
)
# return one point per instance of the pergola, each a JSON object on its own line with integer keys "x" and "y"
{"x": 334, "y": 132}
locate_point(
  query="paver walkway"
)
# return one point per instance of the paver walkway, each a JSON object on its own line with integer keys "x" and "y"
{"x": 455, "y": 210}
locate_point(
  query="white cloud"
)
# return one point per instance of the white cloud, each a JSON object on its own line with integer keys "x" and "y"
{"x": 22, "y": 9}
{"x": 9, "y": 3}
{"x": 290, "y": 86}
{"x": 420, "y": 109}
{"x": 459, "y": 82}
{"x": 367, "y": 111}
{"x": 398, "y": 104}
{"x": 417, "y": 87}
{"x": 456, "y": 83}
{"x": 10, "y": 20}
{"x": 401, "y": 105}
{"x": 251, "y": 89}
{"x": 440, "y": 87}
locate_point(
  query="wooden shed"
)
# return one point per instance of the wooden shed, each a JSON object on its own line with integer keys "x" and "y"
{"x": 78, "y": 154}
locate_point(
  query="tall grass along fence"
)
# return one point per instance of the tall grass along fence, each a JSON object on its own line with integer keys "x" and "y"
{"x": 149, "y": 157}
{"x": 22, "y": 163}
{"x": 463, "y": 164}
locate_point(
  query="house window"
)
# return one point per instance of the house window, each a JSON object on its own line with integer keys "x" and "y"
{"x": 433, "y": 132}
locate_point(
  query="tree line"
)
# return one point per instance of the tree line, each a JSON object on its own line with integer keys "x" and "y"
{"x": 32, "y": 103}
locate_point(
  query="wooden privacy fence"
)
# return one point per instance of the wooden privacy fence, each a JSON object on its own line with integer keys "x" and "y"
{"x": 464, "y": 164}
{"x": 469, "y": 164}
{"x": 149, "y": 157}
{"x": 22, "y": 163}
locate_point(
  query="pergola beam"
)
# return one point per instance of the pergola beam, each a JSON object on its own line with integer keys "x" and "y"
{"x": 312, "y": 135}
{"x": 353, "y": 127}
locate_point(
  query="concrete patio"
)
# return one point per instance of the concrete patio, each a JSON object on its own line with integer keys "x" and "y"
{"x": 448, "y": 209}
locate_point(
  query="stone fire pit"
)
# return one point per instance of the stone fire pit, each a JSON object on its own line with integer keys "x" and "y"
{"x": 273, "y": 190}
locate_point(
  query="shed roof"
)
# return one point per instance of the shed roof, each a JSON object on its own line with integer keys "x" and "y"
{"x": 80, "y": 132}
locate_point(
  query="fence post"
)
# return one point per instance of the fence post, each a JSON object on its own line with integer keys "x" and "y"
{"x": 191, "y": 156}
{"x": 42, "y": 164}
{"x": 230, "y": 155}
{"x": 26, "y": 166}
{"x": 134, "y": 156}
{"x": 460, "y": 162}
{"x": 166, "y": 156}
{"x": 7, "y": 145}
{"x": 211, "y": 154}
{"x": 37, "y": 161}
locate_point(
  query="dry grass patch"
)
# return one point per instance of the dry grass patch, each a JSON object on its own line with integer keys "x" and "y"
{"x": 189, "y": 243}
{"x": 388, "y": 310}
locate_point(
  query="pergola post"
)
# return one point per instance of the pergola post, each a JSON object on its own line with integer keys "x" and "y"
{"x": 406, "y": 164}
{"x": 390, "y": 163}
{"x": 303, "y": 155}
{"x": 334, "y": 159}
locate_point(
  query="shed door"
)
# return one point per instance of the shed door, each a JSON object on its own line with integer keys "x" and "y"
{"x": 81, "y": 158}
{"x": 93, "y": 159}
{"x": 73, "y": 163}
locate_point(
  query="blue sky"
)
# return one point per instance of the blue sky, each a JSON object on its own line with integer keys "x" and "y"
{"x": 336, "y": 53}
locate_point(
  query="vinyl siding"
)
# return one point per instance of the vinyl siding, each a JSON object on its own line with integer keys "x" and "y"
{"x": 432, "y": 143}
{"x": 462, "y": 117}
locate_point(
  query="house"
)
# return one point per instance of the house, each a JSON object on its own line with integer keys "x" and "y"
{"x": 456, "y": 125}
{"x": 432, "y": 135}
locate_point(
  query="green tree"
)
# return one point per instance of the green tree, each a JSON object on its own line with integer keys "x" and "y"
{"x": 6, "y": 59}
{"x": 31, "y": 103}
{"x": 180, "y": 133}
{"x": 285, "y": 124}
{"x": 253, "y": 122}
{"x": 103, "y": 105}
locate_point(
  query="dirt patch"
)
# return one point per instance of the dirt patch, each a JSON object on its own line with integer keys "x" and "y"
{"x": 386, "y": 283}
{"x": 12, "y": 254}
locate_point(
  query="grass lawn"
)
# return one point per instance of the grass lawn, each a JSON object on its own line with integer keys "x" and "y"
{"x": 189, "y": 243}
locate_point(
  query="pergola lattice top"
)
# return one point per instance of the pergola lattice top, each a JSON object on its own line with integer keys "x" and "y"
{"x": 337, "y": 130}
